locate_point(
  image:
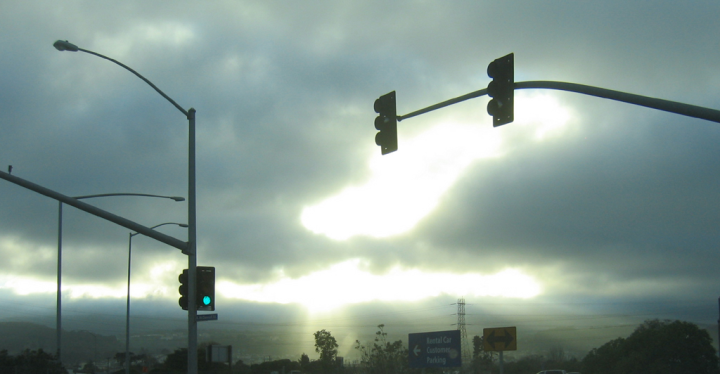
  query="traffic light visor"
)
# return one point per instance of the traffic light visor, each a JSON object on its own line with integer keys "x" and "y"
{"x": 503, "y": 67}
{"x": 385, "y": 104}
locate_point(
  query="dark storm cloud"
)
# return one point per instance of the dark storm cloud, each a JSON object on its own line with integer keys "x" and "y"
{"x": 634, "y": 201}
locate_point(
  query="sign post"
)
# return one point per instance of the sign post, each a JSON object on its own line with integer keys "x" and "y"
{"x": 220, "y": 353}
{"x": 500, "y": 339}
{"x": 440, "y": 349}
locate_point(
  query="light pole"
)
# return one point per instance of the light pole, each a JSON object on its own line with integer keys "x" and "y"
{"x": 58, "y": 317}
{"x": 127, "y": 313}
{"x": 191, "y": 252}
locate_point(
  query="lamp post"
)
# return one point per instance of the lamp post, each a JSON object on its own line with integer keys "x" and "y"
{"x": 58, "y": 317}
{"x": 127, "y": 312}
{"x": 64, "y": 45}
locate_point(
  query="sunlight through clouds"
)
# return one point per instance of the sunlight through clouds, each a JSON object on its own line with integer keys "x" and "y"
{"x": 543, "y": 112}
{"x": 27, "y": 286}
{"x": 142, "y": 285}
{"x": 405, "y": 186}
{"x": 348, "y": 283}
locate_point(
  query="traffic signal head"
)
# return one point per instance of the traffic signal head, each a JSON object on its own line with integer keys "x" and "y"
{"x": 205, "y": 288}
{"x": 501, "y": 89}
{"x": 386, "y": 123}
{"x": 183, "y": 278}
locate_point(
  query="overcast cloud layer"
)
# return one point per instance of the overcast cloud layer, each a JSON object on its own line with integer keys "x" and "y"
{"x": 594, "y": 201}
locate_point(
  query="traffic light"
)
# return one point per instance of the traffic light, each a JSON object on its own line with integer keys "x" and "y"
{"x": 386, "y": 122}
{"x": 501, "y": 89}
{"x": 183, "y": 278}
{"x": 205, "y": 288}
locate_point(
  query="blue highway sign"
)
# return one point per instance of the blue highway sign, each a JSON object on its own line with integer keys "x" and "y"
{"x": 440, "y": 349}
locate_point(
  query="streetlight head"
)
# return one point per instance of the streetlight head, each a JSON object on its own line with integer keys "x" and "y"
{"x": 177, "y": 198}
{"x": 182, "y": 225}
{"x": 64, "y": 45}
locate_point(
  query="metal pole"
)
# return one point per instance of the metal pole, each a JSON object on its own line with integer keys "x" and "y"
{"x": 127, "y": 312}
{"x": 649, "y": 102}
{"x": 58, "y": 317}
{"x": 124, "y": 222}
{"x": 192, "y": 249}
{"x": 501, "y": 362}
{"x": 445, "y": 103}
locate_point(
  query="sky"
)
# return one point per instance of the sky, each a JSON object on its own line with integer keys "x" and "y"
{"x": 583, "y": 213}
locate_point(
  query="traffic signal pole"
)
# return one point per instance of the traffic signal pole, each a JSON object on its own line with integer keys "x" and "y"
{"x": 649, "y": 102}
{"x": 443, "y": 104}
{"x": 124, "y": 222}
{"x": 192, "y": 248}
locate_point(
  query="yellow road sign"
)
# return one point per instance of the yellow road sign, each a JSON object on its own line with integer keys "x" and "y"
{"x": 500, "y": 339}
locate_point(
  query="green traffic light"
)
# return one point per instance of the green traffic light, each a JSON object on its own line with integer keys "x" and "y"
{"x": 206, "y": 300}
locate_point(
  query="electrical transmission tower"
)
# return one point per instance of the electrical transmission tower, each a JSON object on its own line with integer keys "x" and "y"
{"x": 463, "y": 332}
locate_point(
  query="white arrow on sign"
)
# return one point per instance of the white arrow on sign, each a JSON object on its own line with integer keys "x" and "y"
{"x": 417, "y": 350}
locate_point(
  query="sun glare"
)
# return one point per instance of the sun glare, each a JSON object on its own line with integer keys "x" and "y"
{"x": 348, "y": 283}
{"x": 27, "y": 286}
{"x": 405, "y": 186}
{"x": 543, "y": 113}
{"x": 408, "y": 184}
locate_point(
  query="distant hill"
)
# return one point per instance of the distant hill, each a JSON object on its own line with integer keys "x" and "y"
{"x": 18, "y": 336}
{"x": 78, "y": 346}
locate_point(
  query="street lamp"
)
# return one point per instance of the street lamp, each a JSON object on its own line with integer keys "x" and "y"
{"x": 64, "y": 45}
{"x": 58, "y": 317}
{"x": 127, "y": 313}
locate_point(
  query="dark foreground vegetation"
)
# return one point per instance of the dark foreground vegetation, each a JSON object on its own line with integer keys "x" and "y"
{"x": 655, "y": 347}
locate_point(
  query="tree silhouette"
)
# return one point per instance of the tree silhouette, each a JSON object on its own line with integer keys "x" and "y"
{"x": 656, "y": 347}
{"x": 304, "y": 362}
{"x": 383, "y": 357}
{"x": 482, "y": 361}
{"x": 326, "y": 345}
{"x": 30, "y": 362}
